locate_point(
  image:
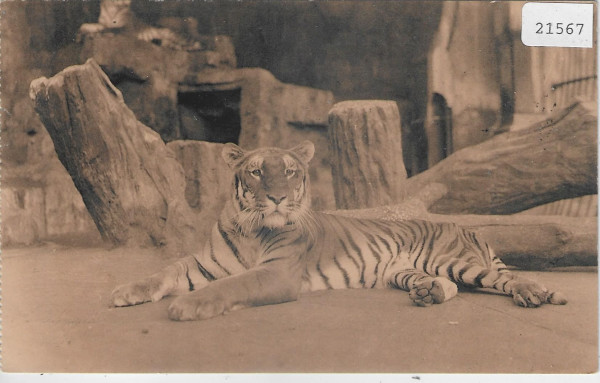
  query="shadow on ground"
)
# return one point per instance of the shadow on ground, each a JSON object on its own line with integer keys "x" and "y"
{"x": 56, "y": 318}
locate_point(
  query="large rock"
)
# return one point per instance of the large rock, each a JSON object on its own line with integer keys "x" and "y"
{"x": 208, "y": 179}
{"x": 366, "y": 153}
{"x": 129, "y": 181}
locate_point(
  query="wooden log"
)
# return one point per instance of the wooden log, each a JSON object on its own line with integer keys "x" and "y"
{"x": 514, "y": 171}
{"x": 129, "y": 181}
{"x": 366, "y": 153}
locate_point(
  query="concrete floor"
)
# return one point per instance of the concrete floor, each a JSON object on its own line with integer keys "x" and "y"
{"x": 56, "y": 318}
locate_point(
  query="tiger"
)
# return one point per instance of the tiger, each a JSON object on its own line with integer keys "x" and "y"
{"x": 268, "y": 247}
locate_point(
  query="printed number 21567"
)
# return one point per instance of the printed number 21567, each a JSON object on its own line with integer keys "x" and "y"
{"x": 559, "y": 28}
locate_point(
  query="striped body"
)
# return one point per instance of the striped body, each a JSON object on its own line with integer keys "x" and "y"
{"x": 354, "y": 253}
{"x": 358, "y": 253}
{"x": 268, "y": 246}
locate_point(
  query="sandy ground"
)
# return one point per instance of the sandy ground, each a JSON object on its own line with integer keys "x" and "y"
{"x": 56, "y": 318}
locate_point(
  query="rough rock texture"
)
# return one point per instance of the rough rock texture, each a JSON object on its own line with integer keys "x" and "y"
{"x": 208, "y": 180}
{"x": 551, "y": 160}
{"x": 130, "y": 182}
{"x": 366, "y": 153}
{"x": 39, "y": 201}
{"x": 22, "y": 215}
{"x": 148, "y": 75}
{"x": 269, "y": 108}
{"x": 65, "y": 214}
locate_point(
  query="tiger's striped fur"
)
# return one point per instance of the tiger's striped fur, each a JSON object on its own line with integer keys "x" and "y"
{"x": 268, "y": 246}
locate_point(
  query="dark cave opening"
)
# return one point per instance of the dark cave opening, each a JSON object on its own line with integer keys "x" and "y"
{"x": 212, "y": 116}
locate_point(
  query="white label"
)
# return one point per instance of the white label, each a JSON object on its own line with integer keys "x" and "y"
{"x": 557, "y": 25}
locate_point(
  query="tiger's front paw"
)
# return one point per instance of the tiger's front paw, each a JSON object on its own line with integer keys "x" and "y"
{"x": 197, "y": 305}
{"x": 435, "y": 290}
{"x": 135, "y": 293}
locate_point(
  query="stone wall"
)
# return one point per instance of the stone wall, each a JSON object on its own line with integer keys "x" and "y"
{"x": 38, "y": 198}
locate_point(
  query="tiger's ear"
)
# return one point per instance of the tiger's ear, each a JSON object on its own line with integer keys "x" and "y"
{"x": 232, "y": 154}
{"x": 306, "y": 151}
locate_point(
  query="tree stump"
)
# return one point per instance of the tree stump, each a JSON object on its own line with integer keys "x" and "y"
{"x": 130, "y": 182}
{"x": 365, "y": 141}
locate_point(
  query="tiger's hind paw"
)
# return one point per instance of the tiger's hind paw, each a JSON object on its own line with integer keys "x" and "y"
{"x": 432, "y": 290}
{"x": 557, "y": 298}
{"x": 530, "y": 294}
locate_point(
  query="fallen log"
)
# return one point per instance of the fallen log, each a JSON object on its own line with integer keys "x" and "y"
{"x": 549, "y": 161}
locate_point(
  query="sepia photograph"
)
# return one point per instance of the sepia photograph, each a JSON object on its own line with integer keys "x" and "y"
{"x": 373, "y": 187}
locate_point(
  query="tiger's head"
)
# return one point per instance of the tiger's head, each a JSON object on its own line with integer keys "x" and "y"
{"x": 271, "y": 185}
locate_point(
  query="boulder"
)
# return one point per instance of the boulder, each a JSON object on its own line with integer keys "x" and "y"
{"x": 208, "y": 180}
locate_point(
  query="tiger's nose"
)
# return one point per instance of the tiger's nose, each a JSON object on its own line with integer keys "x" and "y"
{"x": 276, "y": 199}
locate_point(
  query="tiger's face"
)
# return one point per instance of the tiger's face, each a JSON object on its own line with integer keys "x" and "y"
{"x": 270, "y": 185}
